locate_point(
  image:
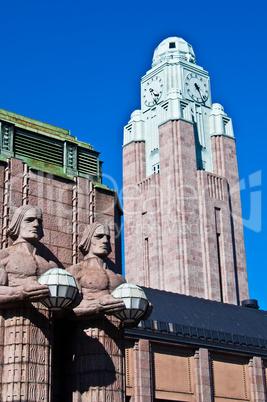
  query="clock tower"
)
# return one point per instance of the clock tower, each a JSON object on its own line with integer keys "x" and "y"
{"x": 183, "y": 221}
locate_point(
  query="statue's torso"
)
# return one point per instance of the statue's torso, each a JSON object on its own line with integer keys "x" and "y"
{"x": 93, "y": 279}
{"x": 20, "y": 265}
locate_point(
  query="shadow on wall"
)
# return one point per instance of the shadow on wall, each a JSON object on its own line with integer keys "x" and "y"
{"x": 89, "y": 348}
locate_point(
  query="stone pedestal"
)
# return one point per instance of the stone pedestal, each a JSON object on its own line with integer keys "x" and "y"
{"x": 26, "y": 340}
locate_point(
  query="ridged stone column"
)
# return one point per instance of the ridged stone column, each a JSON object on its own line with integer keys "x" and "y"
{"x": 26, "y": 344}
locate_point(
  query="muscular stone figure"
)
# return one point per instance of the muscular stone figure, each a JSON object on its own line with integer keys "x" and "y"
{"x": 26, "y": 338}
{"x": 21, "y": 264}
{"x": 94, "y": 346}
{"x": 94, "y": 279}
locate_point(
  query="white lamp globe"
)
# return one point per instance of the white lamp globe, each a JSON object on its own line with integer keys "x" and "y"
{"x": 135, "y": 301}
{"x": 62, "y": 286}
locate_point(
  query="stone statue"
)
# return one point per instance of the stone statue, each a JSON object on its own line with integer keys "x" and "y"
{"x": 21, "y": 264}
{"x": 94, "y": 279}
{"x": 26, "y": 332}
{"x": 92, "y": 346}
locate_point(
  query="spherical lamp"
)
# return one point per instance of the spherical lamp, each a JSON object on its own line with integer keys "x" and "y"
{"x": 135, "y": 300}
{"x": 62, "y": 286}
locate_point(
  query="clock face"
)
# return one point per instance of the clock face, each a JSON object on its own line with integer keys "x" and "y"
{"x": 152, "y": 91}
{"x": 196, "y": 86}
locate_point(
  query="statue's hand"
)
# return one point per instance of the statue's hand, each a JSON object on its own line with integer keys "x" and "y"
{"x": 105, "y": 304}
{"x": 34, "y": 291}
{"x": 110, "y": 305}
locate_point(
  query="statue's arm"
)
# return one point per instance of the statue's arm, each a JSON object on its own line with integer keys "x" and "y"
{"x": 106, "y": 304}
{"x": 3, "y": 275}
{"x": 14, "y": 295}
{"x": 122, "y": 279}
{"x": 8, "y": 294}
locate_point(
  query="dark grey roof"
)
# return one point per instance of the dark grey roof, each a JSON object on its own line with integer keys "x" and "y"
{"x": 187, "y": 319}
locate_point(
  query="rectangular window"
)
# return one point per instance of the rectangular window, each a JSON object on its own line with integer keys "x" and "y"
{"x": 146, "y": 260}
{"x": 155, "y": 168}
{"x": 219, "y": 249}
{"x": 172, "y": 45}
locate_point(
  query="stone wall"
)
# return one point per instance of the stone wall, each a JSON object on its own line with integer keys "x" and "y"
{"x": 68, "y": 206}
{"x": 155, "y": 371}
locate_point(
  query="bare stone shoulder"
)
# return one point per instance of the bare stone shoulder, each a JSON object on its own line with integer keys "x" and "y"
{"x": 4, "y": 257}
{"x": 3, "y": 254}
{"x": 74, "y": 269}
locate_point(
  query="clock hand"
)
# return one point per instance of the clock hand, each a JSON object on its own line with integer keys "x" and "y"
{"x": 200, "y": 92}
{"x": 154, "y": 94}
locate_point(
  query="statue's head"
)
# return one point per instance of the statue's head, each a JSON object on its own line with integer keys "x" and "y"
{"x": 96, "y": 240}
{"x": 27, "y": 224}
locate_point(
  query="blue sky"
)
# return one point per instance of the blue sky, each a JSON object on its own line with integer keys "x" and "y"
{"x": 78, "y": 65}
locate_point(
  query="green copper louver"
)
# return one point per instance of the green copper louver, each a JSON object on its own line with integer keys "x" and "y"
{"x": 87, "y": 162}
{"x": 47, "y": 148}
{"x": 38, "y": 147}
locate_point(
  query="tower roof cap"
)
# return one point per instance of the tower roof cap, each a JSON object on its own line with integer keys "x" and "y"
{"x": 172, "y": 49}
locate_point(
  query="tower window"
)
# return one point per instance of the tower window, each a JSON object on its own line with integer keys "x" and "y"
{"x": 172, "y": 45}
{"x": 155, "y": 168}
